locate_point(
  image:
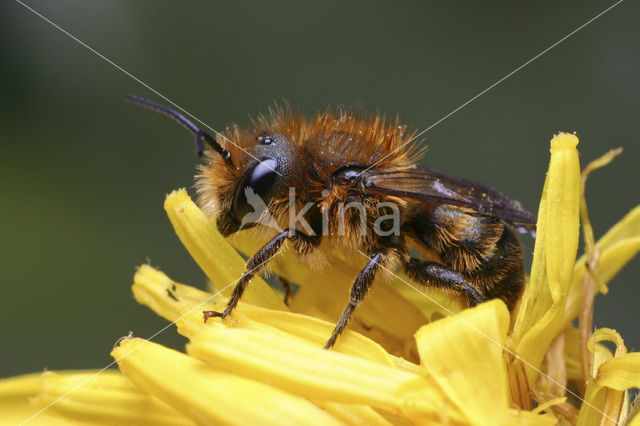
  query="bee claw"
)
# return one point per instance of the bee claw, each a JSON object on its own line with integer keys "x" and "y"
{"x": 212, "y": 314}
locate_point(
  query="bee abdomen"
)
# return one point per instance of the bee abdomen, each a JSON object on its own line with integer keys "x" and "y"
{"x": 480, "y": 248}
{"x": 505, "y": 274}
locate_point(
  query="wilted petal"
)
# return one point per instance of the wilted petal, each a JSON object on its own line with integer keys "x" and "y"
{"x": 210, "y": 396}
{"x": 107, "y": 398}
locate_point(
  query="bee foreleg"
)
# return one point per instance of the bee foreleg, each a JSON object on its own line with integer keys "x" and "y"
{"x": 255, "y": 264}
{"x": 437, "y": 275}
{"x": 358, "y": 291}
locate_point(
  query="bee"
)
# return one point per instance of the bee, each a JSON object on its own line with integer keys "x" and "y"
{"x": 465, "y": 231}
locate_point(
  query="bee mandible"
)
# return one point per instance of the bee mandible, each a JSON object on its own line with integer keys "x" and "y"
{"x": 358, "y": 187}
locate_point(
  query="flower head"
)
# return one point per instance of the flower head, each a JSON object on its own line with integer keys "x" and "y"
{"x": 408, "y": 357}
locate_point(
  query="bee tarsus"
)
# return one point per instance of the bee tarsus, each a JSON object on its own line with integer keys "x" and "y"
{"x": 358, "y": 292}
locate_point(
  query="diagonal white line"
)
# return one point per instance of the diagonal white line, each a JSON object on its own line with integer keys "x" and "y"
{"x": 128, "y": 74}
{"x": 495, "y": 84}
{"x": 453, "y": 314}
{"x": 84, "y": 382}
{"x": 386, "y": 269}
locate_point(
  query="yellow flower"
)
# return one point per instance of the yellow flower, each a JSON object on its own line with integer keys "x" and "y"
{"x": 406, "y": 359}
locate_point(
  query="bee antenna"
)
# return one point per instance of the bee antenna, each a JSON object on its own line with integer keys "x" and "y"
{"x": 200, "y": 134}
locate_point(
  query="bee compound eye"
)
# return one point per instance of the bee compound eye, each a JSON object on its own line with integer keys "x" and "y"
{"x": 255, "y": 188}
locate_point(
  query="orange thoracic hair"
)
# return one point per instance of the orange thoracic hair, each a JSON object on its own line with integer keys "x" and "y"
{"x": 320, "y": 145}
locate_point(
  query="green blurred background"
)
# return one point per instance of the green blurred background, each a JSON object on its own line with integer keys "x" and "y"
{"x": 83, "y": 175}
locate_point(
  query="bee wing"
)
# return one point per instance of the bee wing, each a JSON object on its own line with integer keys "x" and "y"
{"x": 428, "y": 185}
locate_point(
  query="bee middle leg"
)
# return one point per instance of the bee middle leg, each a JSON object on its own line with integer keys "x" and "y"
{"x": 358, "y": 291}
{"x": 436, "y": 275}
{"x": 255, "y": 264}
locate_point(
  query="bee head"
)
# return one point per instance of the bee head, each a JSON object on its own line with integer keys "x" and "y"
{"x": 237, "y": 195}
{"x": 242, "y": 175}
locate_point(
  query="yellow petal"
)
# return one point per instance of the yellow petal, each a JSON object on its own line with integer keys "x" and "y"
{"x": 222, "y": 264}
{"x": 354, "y": 414}
{"x": 542, "y": 407}
{"x": 628, "y": 227}
{"x": 172, "y": 300}
{"x": 310, "y": 371}
{"x": 328, "y": 288}
{"x": 108, "y": 398}
{"x": 184, "y": 304}
{"x": 210, "y": 396}
{"x": 543, "y": 301}
{"x": 617, "y": 247}
{"x": 529, "y": 418}
{"x": 572, "y": 353}
{"x": 464, "y": 354}
{"x": 317, "y": 332}
{"x": 591, "y": 409}
{"x": 438, "y": 304}
{"x": 601, "y": 403}
{"x": 15, "y": 394}
{"x": 603, "y": 406}
{"x": 620, "y": 373}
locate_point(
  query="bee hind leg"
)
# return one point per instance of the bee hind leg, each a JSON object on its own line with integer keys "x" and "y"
{"x": 358, "y": 292}
{"x": 436, "y": 275}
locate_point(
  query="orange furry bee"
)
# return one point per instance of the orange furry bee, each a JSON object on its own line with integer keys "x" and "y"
{"x": 359, "y": 187}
